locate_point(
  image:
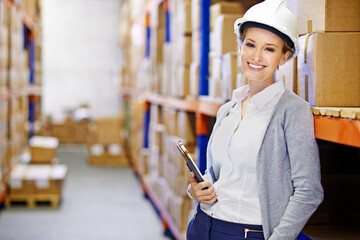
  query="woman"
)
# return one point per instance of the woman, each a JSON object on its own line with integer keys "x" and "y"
{"x": 263, "y": 171}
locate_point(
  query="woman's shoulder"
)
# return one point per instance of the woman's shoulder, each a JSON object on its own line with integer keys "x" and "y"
{"x": 290, "y": 101}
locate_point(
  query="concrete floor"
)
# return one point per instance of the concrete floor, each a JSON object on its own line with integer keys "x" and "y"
{"x": 97, "y": 203}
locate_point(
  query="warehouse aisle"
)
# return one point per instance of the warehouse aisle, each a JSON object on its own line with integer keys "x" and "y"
{"x": 97, "y": 203}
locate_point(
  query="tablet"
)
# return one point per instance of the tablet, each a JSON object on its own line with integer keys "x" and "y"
{"x": 189, "y": 161}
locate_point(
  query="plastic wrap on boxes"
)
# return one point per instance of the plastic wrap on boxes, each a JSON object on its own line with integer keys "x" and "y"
{"x": 40, "y": 174}
{"x": 97, "y": 149}
{"x": 114, "y": 149}
{"x": 288, "y": 74}
{"x": 17, "y": 175}
{"x": 195, "y": 14}
{"x": 229, "y": 71}
{"x": 194, "y": 79}
{"x": 44, "y": 142}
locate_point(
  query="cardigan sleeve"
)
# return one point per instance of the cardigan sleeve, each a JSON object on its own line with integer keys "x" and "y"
{"x": 304, "y": 169}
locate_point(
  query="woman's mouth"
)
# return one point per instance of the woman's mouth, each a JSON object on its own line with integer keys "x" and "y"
{"x": 255, "y": 66}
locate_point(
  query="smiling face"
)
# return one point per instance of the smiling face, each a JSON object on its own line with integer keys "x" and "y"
{"x": 261, "y": 53}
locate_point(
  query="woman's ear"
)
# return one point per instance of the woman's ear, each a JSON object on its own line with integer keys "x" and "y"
{"x": 239, "y": 45}
{"x": 284, "y": 58}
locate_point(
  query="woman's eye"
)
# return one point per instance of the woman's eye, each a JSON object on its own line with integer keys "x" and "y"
{"x": 250, "y": 45}
{"x": 270, "y": 49}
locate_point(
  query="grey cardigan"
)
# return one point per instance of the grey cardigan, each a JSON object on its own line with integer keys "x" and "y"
{"x": 288, "y": 168}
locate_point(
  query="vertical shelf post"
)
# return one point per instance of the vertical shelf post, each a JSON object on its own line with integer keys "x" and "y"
{"x": 30, "y": 44}
{"x": 205, "y": 47}
{"x": 202, "y": 139}
{"x": 148, "y": 35}
{"x": 167, "y": 21}
{"x": 146, "y": 125}
{"x": 202, "y": 120}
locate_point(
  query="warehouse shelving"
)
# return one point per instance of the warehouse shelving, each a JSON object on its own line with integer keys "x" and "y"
{"x": 334, "y": 129}
{"x": 24, "y": 90}
{"x": 331, "y": 128}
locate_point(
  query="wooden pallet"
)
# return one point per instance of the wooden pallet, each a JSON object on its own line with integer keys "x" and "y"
{"x": 31, "y": 200}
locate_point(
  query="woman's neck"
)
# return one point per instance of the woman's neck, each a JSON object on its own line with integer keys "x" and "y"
{"x": 257, "y": 86}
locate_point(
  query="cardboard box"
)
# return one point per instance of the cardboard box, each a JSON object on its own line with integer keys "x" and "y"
{"x": 328, "y": 16}
{"x": 142, "y": 161}
{"x": 109, "y": 130}
{"x": 107, "y": 155}
{"x": 216, "y": 66}
{"x": 225, "y": 38}
{"x": 288, "y": 74}
{"x": 184, "y": 17}
{"x": 157, "y": 16}
{"x": 156, "y": 44}
{"x": 43, "y": 149}
{"x": 194, "y": 79}
{"x": 171, "y": 124}
{"x": 328, "y": 69}
{"x": 31, "y": 183}
{"x": 215, "y": 88}
{"x": 195, "y": 46}
{"x": 186, "y": 126}
{"x": 183, "y": 50}
{"x": 182, "y": 84}
{"x": 237, "y": 8}
{"x": 195, "y": 15}
{"x": 229, "y": 72}
{"x": 70, "y": 132}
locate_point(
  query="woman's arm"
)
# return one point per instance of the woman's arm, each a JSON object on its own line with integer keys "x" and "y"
{"x": 305, "y": 172}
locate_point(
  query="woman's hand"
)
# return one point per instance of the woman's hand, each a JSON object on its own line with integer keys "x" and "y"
{"x": 203, "y": 192}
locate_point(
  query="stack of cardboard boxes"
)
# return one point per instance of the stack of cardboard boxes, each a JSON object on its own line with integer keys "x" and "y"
{"x": 106, "y": 142}
{"x": 224, "y": 65}
{"x": 156, "y": 42}
{"x": 328, "y": 61}
{"x": 177, "y": 50}
{"x": 327, "y": 75}
{"x": 41, "y": 180}
{"x": 33, "y": 183}
{"x": 166, "y": 170}
{"x": 18, "y": 78}
{"x": 4, "y": 49}
{"x": 75, "y": 128}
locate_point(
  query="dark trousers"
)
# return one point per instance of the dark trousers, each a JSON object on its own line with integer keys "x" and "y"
{"x": 204, "y": 227}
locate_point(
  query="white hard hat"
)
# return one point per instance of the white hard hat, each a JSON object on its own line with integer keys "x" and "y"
{"x": 274, "y": 16}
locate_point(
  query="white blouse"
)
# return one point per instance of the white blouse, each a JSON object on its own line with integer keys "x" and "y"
{"x": 235, "y": 153}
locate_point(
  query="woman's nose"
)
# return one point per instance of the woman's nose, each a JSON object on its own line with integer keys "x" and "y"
{"x": 257, "y": 55}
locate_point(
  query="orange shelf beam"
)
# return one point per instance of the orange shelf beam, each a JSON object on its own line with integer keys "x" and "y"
{"x": 208, "y": 109}
{"x": 3, "y": 193}
{"x": 173, "y": 102}
{"x": 338, "y": 130}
